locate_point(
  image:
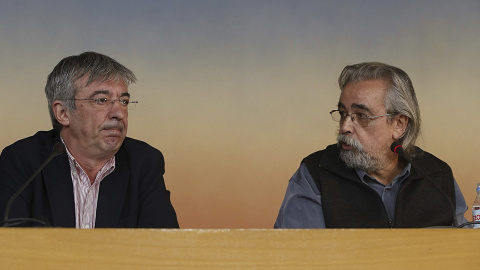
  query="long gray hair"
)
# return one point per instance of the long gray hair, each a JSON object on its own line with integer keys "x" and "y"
{"x": 400, "y": 96}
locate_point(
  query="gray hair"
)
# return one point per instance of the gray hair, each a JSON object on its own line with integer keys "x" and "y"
{"x": 400, "y": 96}
{"x": 61, "y": 81}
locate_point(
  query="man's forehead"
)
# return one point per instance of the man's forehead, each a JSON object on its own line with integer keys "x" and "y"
{"x": 369, "y": 96}
{"x": 87, "y": 80}
{"x": 101, "y": 84}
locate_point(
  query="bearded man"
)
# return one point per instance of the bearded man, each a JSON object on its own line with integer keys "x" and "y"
{"x": 360, "y": 182}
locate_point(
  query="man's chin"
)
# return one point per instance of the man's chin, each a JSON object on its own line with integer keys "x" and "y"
{"x": 355, "y": 160}
{"x": 113, "y": 143}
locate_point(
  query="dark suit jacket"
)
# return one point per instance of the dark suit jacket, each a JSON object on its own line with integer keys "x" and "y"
{"x": 132, "y": 196}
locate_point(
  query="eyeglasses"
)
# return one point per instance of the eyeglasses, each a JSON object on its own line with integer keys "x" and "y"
{"x": 104, "y": 103}
{"x": 357, "y": 118}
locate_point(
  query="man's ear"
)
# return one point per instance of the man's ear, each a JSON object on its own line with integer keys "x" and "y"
{"x": 400, "y": 122}
{"x": 60, "y": 112}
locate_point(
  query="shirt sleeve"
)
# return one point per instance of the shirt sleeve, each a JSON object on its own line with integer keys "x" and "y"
{"x": 301, "y": 207}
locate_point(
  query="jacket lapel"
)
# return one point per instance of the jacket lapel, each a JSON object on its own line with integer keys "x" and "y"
{"x": 59, "y": 188}
{"x": 113, "y": 190}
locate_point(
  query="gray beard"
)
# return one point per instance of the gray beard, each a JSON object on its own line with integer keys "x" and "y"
{"x": 357, "y": 158}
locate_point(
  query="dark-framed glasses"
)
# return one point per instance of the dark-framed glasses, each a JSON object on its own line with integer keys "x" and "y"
{"x": 105, "y": 103}
{"x": 357, "y": 118}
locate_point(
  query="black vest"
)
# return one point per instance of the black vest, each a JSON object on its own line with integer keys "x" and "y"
{"x": 348, "y": 203}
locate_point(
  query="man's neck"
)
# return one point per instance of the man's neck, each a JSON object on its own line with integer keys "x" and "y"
{"x": 91, "y": 165}
{"x": 91, "y": 168}
{"x": 388, "y": 173}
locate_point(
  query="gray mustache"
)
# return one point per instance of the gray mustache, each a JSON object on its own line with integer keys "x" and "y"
{"x": 113, "y": 125}
{"x": 341, "y": 138}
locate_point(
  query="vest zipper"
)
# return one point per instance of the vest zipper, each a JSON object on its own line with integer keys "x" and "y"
{"x": 390, "y": 221}
{"x": 398, "y": 196}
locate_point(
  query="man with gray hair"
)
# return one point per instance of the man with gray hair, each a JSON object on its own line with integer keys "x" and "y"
{"x": 360, "y": 182}
{"x": 99, "y": 177}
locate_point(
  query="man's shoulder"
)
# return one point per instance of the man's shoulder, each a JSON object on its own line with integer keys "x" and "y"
{"x": 138, "y": 146}
{"x": 36, "y": 142}
{"x": 426, "y": 159}
{"x": 331, "y": 150}
{"x": 138, "y": 154}
{"x": 131, "y": 142}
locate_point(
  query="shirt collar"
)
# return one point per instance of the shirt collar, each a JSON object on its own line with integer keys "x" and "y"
{"x": 364, "y": 176}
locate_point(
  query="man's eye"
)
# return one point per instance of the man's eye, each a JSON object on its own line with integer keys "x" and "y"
{"x": 124, "y": 101}
{"x": 361, "y": 116}
{"x": 101, "y": 101}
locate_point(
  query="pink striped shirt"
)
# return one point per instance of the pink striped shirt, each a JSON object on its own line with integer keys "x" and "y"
{"x": 85, "y": 193}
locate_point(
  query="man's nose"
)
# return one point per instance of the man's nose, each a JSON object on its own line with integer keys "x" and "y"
{"x": 347, "y": 125}
{"x": 117, "y": 110}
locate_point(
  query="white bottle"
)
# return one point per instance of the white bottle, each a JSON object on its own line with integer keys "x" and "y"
{"x": 476, "y": 208}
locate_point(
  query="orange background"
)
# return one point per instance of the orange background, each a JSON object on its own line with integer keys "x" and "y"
{"x": 236, "y": 93}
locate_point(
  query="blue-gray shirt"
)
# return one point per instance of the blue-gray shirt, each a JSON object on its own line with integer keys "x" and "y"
{"x": 302, "y": 205}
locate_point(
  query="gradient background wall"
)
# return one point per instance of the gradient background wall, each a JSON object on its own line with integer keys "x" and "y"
{"x": 236, "y": 93}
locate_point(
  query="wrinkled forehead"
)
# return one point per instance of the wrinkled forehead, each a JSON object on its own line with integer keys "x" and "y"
{"x": 108, "y": 87}
{"x": 365, "y": 95}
